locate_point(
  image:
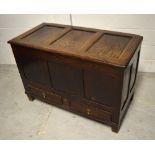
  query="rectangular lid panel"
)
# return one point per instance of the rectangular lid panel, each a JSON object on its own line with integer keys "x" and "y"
{"x": 44, "y": 35}
{"x": 109, "y": 46}
{"x": 73, "y": 41}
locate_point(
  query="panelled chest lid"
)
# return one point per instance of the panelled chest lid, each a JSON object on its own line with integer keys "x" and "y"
{"x": 108, "y": 47}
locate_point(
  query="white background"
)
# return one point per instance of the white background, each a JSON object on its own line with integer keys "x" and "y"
{"x": 76, "y": 6}
{"x": 143, "y": 24}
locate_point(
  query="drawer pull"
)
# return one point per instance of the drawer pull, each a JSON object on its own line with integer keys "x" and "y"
{"x": 66, "y": 102}
{"x": 88, "y": 111}
{"x": 44, "y": 95}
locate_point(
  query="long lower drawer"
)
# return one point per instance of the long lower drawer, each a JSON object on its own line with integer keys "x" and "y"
{"x": 91, "y": 111}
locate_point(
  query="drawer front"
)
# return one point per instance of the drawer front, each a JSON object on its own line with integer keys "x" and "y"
{"x": 46, "y": 95}
{"x": 84, "y": 109}
{"x": 91, "y": 111}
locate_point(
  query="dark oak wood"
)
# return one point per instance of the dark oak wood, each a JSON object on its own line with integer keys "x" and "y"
{"x": 87, "y": 71}
{"x": 30, "y": 97}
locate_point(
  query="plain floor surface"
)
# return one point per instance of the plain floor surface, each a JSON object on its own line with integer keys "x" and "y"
{"x": 22, "y": 119}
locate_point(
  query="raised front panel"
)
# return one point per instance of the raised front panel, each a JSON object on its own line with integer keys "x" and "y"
{"x": 66, "y": 78}
{"x": 101, "y": 88}
{"x": 34, "y": 67}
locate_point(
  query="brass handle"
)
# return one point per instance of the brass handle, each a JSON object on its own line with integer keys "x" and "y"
{"x": 44, "y": 95}
{"x": 66, "y": 102}
{"x": 88, "y": 111}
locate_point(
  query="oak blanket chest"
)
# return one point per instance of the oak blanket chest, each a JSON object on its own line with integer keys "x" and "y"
{"x": 87, "y": 71}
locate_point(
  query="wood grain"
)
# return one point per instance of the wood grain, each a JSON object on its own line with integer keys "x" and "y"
{"x": 107, "y": 47}
{"x": 86, "y": 71}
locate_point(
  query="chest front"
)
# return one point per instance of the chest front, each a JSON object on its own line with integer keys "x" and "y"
{"x": 86, "y": 71}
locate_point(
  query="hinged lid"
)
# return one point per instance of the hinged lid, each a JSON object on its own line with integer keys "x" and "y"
{"x": 113, "y": 48}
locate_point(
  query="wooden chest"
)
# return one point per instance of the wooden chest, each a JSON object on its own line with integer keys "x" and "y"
{"x": 86, "y": 71}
